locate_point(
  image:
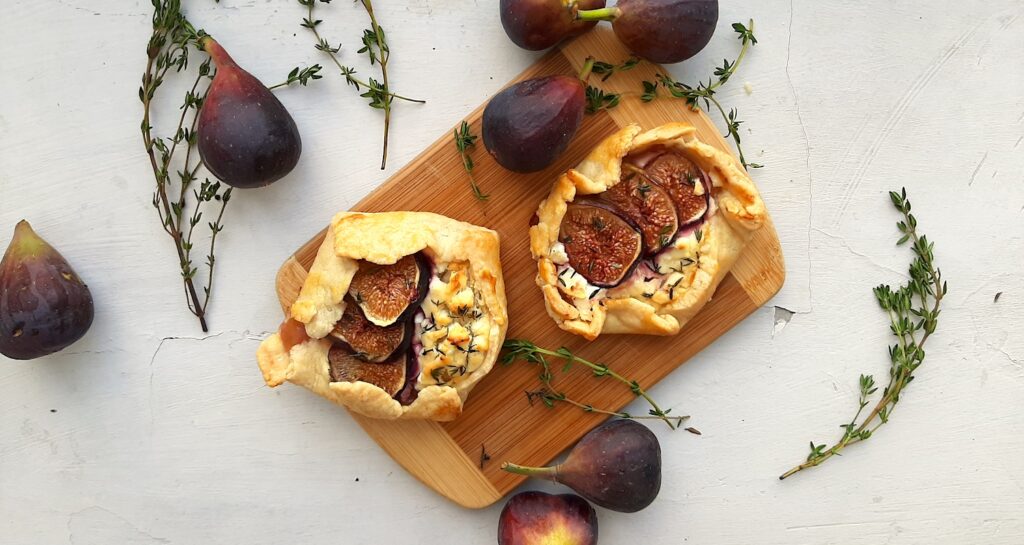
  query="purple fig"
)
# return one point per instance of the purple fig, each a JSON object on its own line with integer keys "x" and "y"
{"x": 246, "y": 136}
{"x": 617, "y": 466}
{"x": 527, "y": 126}
{"x": 540, "y": 24}
{"x": 664, "y": 31}
{"x": 536, "y": 518}
{"x": 44, "y": 305}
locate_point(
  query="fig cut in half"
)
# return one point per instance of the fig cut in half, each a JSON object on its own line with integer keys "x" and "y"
{"x": 368, "y": 341}
{"x": 601, "y": 246}
{"x": 345, "y": 366}
{"x": 647, "y": 206}
{"x": 387, "y": 293}
{"x": 679, "y": 177}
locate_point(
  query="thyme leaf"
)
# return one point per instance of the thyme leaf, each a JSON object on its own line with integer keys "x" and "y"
{"x": 607, "y": 70}
{"x": 302, "y": 76}
{"x": 598, "y": 100}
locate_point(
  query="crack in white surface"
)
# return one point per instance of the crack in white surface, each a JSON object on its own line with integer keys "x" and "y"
{"x": 977, "y": 169}
{"x": 869, "y": 259}
{"x": 835, "y": 524}
{"x": 807, "y": 154}
{"x": 896, "y": 115}
{"x": 243, "y": 335}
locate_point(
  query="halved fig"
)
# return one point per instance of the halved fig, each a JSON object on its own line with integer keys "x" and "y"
{"x": 346, "y": 366}
{"x": 602, "y": 246}
{"x": 647, "y": 206}
{"x": 386, "y": 293}
{"x": 679, "y": 177}
{"x": 367, "y": 340}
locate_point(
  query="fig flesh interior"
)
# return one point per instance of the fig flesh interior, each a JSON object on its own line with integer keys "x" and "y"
{"x": 292, "y": 332}
{"x": 386, "y": 293}
{"x": 679, "y": 177}
{"x": 647, "y": 206}
{"x": 367, "y": 340}
{"x": 346, "y": 366}
{"x": 601, "y": 246}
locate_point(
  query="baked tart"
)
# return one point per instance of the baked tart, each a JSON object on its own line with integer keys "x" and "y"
{"x": 402, "y": 313}
{"x": 637, "y": 237}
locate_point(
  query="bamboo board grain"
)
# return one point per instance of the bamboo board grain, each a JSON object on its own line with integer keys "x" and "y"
{"x": 497, "y": 417}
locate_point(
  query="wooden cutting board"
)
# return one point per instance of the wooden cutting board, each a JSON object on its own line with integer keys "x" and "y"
{"x": 497, "y": 417}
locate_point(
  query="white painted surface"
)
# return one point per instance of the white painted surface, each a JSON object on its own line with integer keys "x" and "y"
{"x": 163, "y": 436}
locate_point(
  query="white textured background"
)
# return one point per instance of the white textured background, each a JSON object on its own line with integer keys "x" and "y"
{"x": 162, "y": 435}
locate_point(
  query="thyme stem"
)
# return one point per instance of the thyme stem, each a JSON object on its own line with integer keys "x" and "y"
{"x": 167, "y": 48}
{"x": 384, "y": 54}
{"x": 526, "y": 350}
{"x": 464, "y": 140}
{"x": 905, "y": 319}
{"x": 549, "y": 395}
{"x": 376, "y": 48}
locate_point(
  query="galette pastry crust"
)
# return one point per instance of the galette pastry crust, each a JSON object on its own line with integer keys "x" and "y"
{"x": 384, "y": 238}
{"x": 664, "y": 306}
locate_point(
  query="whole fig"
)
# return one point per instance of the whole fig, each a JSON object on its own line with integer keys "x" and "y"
{"x": 44, "y": 305}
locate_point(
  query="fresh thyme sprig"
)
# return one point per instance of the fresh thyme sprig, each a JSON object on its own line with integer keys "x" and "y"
{"x": 607, "y": 70}
{"x": 465, "y": 139}
{"x": 376, "y": 48}
{"x": 518, "y": 349}
{"x": 913, "y": 311}
{"x": 301, "y": 75}
{"x": 549, "y": 397}
{"x": 598, "y": 99}
{"x": 705, "y": 92}
{"x": 168, "y": 50}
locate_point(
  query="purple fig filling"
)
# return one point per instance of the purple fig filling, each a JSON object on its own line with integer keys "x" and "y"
{"x": 687, "y": 223}
{"x": 410, "y": 345}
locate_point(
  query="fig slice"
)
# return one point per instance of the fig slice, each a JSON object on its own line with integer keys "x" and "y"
{"x": 647, "y": 206}
{"x": 345, "y": 366}
{"x": 367, "y": 340}
{"x": 679, "y": 176}
{"x": 386, "y": 293}
{"x": 601, "y": 245}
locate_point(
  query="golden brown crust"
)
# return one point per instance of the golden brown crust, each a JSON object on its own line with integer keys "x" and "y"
{"x": 384, "y": 238}
{"x": 672, "y": 293}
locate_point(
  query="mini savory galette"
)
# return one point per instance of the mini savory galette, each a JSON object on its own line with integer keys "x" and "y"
{"x": 402, "y": 313}
{"x": 637, "y": 237}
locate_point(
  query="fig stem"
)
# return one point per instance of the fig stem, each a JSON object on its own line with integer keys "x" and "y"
{"x": 588, "y": 67}
{"x": 542, "y": 472}
{"x": 216, "y": 52}
{"x": 603, "y": 14}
